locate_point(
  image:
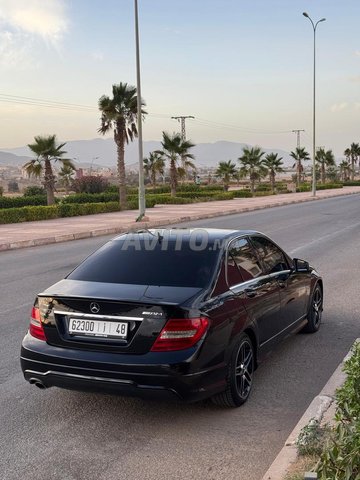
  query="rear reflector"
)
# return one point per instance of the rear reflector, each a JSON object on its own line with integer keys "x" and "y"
{"x": 35, "y": 327}
{"x": 179, "y": 334}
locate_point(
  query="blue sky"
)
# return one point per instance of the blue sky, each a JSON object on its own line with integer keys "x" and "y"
{"x": 242, "y": 68}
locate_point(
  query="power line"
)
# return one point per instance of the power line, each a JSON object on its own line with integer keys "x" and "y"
{"x": 32, "y": 101}
{"x": 41, "y": 102}
{"x": 211, "y": 123}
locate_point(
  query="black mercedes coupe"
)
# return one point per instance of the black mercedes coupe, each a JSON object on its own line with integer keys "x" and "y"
{"x": 171, "y": 313}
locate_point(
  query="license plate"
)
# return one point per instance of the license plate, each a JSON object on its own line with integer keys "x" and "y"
{"x": 97, "y": 328}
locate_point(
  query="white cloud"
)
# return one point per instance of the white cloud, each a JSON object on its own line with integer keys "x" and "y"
{"x": 357, "y": 105}
{"x": 14, "y": 51}
{"x": 97, "y": 56}
{"x": 46, "y": 19}
{"x": 337, "y": 107}
{"x": 357, "y": 53}
{"x": 21, "y": 22}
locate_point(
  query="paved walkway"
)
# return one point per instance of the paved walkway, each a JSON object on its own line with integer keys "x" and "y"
{"x": 29, "y": 234}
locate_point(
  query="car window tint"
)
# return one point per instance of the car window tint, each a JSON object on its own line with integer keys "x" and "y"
{"x": 221, "y": 285}
{"x": 137, "y": 264}
{"x": 243, "y": 264}
{"x": 271, "y": 256}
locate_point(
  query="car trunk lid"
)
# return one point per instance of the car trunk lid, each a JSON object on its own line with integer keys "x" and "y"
{"x": 143, "y": 309}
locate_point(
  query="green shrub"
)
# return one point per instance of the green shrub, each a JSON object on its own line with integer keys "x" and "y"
{"x": 135, "y": 190}
{"x": 17, "y": 202}
{"x": 312, "y": 437}
{"x": 89, "y": 184}
{"x": 190, "y": 197}
{"x": 1, "y": 191}
{"x": 266, "y": 193}
{"x": 352, "y": 183}
{"x": 211, "y": 187}
{"x": 113, "y": 189}
{"x": 91, "y": 198}
{"x": 188, "y": 187}
{"x": 327, "y": 186}
{"x": 223, "y": 196}
{"x": 34, "y": 191}
{"x": 72, "y": 210}
{"x": 162, "y": 189}
{"x": 199, "y": 194}
{"x": 133, "y": 203}
{"x": 13, "y": 186}
{"x": 33, "y": 213}
{"x": 164, "y": 199}
{"x": 28, "y": 214}
{"x": 103, "y": 197}
{"x": 341, "y": 456}
{"x": 263, "y": 187}
{"x": 303, "y": 188}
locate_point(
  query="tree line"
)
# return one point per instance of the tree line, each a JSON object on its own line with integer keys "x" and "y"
{"x": 119, "y": 115}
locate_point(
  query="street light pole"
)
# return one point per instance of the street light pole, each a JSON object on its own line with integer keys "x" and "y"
{"x": 139, "y": 119}
{"x": 314, "y": 103}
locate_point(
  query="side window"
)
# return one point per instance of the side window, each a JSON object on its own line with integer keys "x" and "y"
{"x": 242, "y": 264}
{"x": 271, "y": 256}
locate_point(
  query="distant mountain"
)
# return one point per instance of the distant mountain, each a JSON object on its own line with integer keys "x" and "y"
{"x": 7, "y": 158}
{"x": 102, "y": 152}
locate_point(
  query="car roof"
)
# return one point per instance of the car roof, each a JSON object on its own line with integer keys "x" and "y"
{"x": 213, "y": 233}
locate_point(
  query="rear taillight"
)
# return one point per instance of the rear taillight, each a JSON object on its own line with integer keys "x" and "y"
{"x": 179, "y": 334}
{"x": 35, "y": 327}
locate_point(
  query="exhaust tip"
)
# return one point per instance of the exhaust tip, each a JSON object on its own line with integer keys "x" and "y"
{"x": 38, "y": 383}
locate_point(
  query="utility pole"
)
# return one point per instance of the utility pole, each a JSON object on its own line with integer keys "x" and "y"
{"x": 181, "y": 119}
{"x": 142, "y": 203}
{"x": 298, "y": 136}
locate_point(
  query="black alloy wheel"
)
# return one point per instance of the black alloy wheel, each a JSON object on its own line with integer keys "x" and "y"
{"x": 315, "y": 311}
{"x": 240, "y": 375}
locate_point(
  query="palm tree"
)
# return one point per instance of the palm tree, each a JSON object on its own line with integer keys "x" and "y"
{"x": 274, "y": 166}
{"x": 120, "y": 114}
{"x": 352, "y": 154}
{"x": 345, "y": 169}
{"x": 66, "y": 175}
{"x": 252, "y": 165}
{"x": 226, "y": 171}
{"x": 299, "y": 156}
{"x": 175, "y": 149}
{"x": 325, "y": 159}
{"x": 46, "y": 151}
{"x": 153, "y": 165}
{"x": 332, "y": 173}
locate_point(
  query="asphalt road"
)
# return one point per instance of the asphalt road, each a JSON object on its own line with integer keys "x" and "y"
{"x": 63, "y": 435}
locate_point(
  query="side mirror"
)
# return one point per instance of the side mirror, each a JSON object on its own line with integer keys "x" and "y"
{"x": 301, "y": 265}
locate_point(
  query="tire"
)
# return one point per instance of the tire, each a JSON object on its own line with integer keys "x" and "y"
{"x": 315, "y": 311}
{"x": 240, "y": 375}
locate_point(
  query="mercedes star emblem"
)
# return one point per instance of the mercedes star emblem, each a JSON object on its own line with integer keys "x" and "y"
{"x": 94, "y": 307}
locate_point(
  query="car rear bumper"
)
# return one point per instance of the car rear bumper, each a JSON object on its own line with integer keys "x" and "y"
{"x": 149, "y": 376}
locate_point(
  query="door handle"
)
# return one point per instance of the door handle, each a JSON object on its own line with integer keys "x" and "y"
{"x": 249, "y": 292}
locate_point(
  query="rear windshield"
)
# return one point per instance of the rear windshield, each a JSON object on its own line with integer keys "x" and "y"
{"x": 149, "y": 263}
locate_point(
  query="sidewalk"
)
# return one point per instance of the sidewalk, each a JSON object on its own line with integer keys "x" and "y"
{"x": 29, "y": 234}
{"x": 321, "y": 408}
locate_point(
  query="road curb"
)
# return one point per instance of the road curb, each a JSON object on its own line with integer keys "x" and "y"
{"x": 156, "y": 223}
{"x": 317, "y": 409}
